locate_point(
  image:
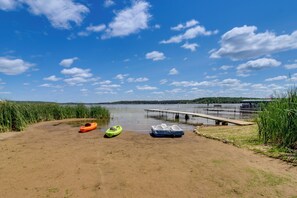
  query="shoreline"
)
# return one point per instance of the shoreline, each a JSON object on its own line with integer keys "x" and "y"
{"x": 54, "y": 160}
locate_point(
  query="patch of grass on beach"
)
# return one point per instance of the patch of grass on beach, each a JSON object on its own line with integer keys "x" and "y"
{"x": 247, "y": 137}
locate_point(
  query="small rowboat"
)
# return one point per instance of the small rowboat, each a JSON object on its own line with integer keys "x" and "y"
{"x": 88, "y": 127}
{"x": 113, "y": 131}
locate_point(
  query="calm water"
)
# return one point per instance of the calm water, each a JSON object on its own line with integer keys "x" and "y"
{"x": 134, "y": 118}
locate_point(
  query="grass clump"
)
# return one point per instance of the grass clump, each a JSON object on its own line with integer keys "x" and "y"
{"x": 16, "y": 116}
{"x": 277, "y": 123}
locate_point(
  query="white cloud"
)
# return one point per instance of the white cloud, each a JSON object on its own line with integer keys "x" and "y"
{"x": 229, "y": 82}
{"x": 83, "y": 90}
{"x": 13, "y": 66}
{"x": 96, "y": 28}
{"x": 276, "y": 78}
{"x": 155, "y": 56}
{"x": 77, "y": 72}
{"x": 157, "y": 26}
{"x": 106, "y": 82}
{"x": 110, "y": 86}
{"x": 129, "y": 21}
{"x": 225, "y": 67}
{"x": 60, "y": 13}
{"x": 211, "y": 77}
{"x": 68, "y": 62}
{"x": 262, "y": 63}
{"x": 108, "y": 3}
{"x": 129, "y": 91}
{"x": 187, "y": 83}
{"x": 163, "y": 81}
{"x": 50, "y": 86}
{"x": 189, "y": 34}
{"x": 92, "y": 28}
{"x": 291, "y": 66}
{"x": 243, "y": 43}
{"x": 7, "y": 5}
{"x": 142, "y": 79}
{"x": 121, "y": 76}
{"x": 188, "y": 24}
{"x": 52, "y": 78}
{"x": 190, "y": 46}
{"x": 174, "y": 91}
{"x": 146, "y": 87}
{"x": 76, "y": 80}
{"x": 173, "y": 71}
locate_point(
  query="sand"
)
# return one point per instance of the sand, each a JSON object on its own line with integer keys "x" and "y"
{"x": 51, "y": 159}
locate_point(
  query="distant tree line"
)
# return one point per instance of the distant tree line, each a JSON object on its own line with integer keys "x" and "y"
{"x": 206, "y": 100}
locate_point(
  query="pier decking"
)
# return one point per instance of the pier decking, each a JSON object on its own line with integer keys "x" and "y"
{"x": 218, "y": 120}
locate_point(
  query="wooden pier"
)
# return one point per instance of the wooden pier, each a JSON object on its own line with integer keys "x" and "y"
{"x": 218, "y": 120}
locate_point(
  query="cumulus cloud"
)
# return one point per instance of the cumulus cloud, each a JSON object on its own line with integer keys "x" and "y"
{"x": 60, "y": 13}
{"x": 229, "y": 82}
{"x": 77, "y": 72}
{"x": 173, "y": 71}
{"x": 225, "y": 67}
{"x": 276, "y": 78}
{"x": 68, "y": 62}
{"x": 291, "y": 66}
{"x": 244, "y": 43}
{"x": 7, "y": 5}
{"x": 190, "y": 46}
{"x": 129, "y": 91}
{"x": 10, "y": 66}
{"x": 76, "y": 80}
{"x": 129, "y": 21}
{"x": 146, "y": 87}
{"x": 108, "y": 3}
{"x": 188, "y": 24}
{"x": 52, "y": 78}
{"x": 155, "y": 56}
{"x": 121, "y": 76}
{"x": 262, "y": 63}
{"x": 189, "y": 34}
{"x": 92, "y": 28}
{"x": 134, "y": 80}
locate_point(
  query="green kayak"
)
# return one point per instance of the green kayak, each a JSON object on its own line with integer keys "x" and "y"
{"x": 113, "y": 131}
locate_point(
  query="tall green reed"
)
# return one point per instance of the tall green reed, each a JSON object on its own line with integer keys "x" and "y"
{"x": 16, "y": 116}
{"x": 277, "y": 123}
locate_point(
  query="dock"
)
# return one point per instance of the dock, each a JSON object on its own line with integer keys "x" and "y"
{"x": 218, "y": 120}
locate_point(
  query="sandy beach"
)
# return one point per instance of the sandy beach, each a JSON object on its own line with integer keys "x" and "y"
{"x": 51, "y": 159}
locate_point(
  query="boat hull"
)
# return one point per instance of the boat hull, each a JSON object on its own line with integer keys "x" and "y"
{"x": 88, "y": 127}
{"x": 114, "y": 131}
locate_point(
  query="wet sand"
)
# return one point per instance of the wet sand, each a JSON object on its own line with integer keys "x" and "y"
{"x": 52, "y": 159}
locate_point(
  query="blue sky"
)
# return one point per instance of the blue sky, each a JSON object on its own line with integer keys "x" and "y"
{"x": 111, "y": 50}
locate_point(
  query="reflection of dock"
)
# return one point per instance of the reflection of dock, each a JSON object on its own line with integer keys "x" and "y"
{"x": 217, "y": 120}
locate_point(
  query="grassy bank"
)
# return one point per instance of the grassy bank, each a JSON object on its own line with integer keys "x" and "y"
{"x": 16, "y": 116}
{"x": 247, "y": 137}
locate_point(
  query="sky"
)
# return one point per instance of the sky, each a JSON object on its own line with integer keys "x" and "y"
{"x": 112, "y": 50}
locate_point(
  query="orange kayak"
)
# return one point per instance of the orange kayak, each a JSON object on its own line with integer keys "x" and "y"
{"x": 88, "y": 127}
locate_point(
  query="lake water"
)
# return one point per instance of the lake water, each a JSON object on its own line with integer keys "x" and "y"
{"x": 134, "y": 118}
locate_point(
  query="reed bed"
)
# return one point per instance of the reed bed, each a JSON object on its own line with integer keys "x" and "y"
{"x": 277, "y": 123}
{"x": 16, "y": 116}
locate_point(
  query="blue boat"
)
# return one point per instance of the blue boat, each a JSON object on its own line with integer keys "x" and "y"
{"x": 163, "y": 130}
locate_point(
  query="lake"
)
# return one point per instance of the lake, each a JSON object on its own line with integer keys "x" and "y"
{"x": 132, "y": 117}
